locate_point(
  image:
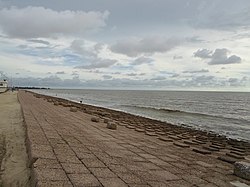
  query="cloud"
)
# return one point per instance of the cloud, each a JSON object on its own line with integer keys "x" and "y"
{"x": 75, "y": 73}
{"x": 78, "y": 46}
{"x": 97, "y": 63}
{"x": 90, "y": 55}
{"x": 226, "y": 20}
{"x": 142, "y": 60}
{"x": 218, "y": 57}
{"x": 126, "y": 83}
{"x": 107, "y": 77}
{"x": 60, "y": 73}
{"x": 148, "y": 45}
{"x": 197, "y": 71}
{"x": 51, "y": 81}
{"x": 176, "y": 57}
{"x": 203, "y": 53}
{"x": 34, "y": 22}
{"x": 158, "y": 78}
{"x": 39, "y": 41}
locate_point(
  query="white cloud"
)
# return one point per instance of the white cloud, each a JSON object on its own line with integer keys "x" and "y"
{"x": 33, "y": 22}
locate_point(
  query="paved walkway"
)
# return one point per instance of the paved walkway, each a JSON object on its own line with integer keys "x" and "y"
{"x": 13, "y": 156}
{"x": 68, "y": 149}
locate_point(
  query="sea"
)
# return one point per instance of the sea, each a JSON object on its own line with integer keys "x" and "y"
{"x": 225, "y": 113}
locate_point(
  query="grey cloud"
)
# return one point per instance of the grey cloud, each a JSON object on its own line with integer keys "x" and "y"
{"x": 148, "y": 45}
{"x": 39, "y": 41}
{"x": 233, "y": 81}
{"x": 116, "y": 73}
{"x": 51, "y": 81}
{"x": 134, "y": 74}
{"x": 107, "y": 77}
{"x": 176, "y": 57}
{"x": 77, "y": 46}
{"x": 60, "y": 73}
{"x": 34, "y": 22}
{"x": 98, "y": 63}
{"x": 142, "y": 60}
{"x": 175, "y": 75}
{"x": 196, "y": 81}
{"x": 203, "y": 53}
{"x": 95, "y": 71}
{"x": 158, "y": 78}
{"x": 75, "y": 73}
{"x": 23, "y": 46}
{"x": 197, "y": 71}
{"x": 226, "y": 20}
{"x": 218, "y": 57}
{"x": 238, "y": 81}
{"x": 131, "y": 74}
{"x": 91, "y": 56}
{"x": 98, "y": 47}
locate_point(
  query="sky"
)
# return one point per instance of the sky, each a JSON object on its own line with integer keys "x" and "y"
{"x": 132, "y": 44}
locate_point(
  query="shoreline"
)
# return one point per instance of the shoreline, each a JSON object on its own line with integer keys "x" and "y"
{"x": 199, "y": 129}
{"x": 69, "y": 144}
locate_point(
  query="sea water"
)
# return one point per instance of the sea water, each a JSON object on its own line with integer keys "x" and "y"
{"x": 226, "y": 113}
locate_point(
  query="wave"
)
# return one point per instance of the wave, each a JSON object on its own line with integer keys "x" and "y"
{"x": 180, "y": 112}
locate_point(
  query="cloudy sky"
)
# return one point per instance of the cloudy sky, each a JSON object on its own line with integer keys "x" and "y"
{"x": 132, "y": 44}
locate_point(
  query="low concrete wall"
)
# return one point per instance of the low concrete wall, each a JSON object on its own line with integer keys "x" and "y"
{"x": 2, "y": 90}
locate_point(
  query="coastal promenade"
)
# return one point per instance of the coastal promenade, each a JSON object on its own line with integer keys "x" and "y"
{"x": 14, "y": 170}
{"x": 69, "y": 145}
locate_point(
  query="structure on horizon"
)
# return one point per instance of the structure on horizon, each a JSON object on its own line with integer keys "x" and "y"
{"x": 3, "y": 86}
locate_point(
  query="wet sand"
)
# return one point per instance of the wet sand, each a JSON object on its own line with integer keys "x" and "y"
{"x": 13, "y": 155}
{"x": 67, "y": 148}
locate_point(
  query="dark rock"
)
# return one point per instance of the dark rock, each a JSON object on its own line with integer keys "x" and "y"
{"x": 139, "y": 130}
{"x": 181, "y": 144}
{"x": 130, "y": 127}
{"x": 210, "y": 148}
{"x": 174, "y": 137}
{"x": 162, "y": 138}
{"x": 56, "y": 103}
{"x": 239, "y": 150}
{"x": 216, "y": 146}
{"x": 235, "y": 155}
{"x": 73, "y": 109}
{"x": 111, "y": 125}
{"x": 202, "y": 151}
{"x": 227, "y": 159}
{"x": 199, "y": 142}
{"x": 94, "y": 119}
{"x": 190, "y": 142}
{"x": 150, "y": 133}
{"x": 105, "y": 120}
{"x": 242, "y": 170}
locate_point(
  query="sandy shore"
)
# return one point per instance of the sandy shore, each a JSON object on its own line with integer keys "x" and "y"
{"x": 67, "y": 148}
{"x": 13, "y": 156}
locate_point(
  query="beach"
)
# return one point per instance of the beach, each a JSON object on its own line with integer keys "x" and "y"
{"x": 69, "y": 145}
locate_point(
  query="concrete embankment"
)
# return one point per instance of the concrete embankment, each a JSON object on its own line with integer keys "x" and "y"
{"x": 69, "y": 144}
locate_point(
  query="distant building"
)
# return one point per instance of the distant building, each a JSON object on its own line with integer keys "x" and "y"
{"x": 3, "y": 86}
